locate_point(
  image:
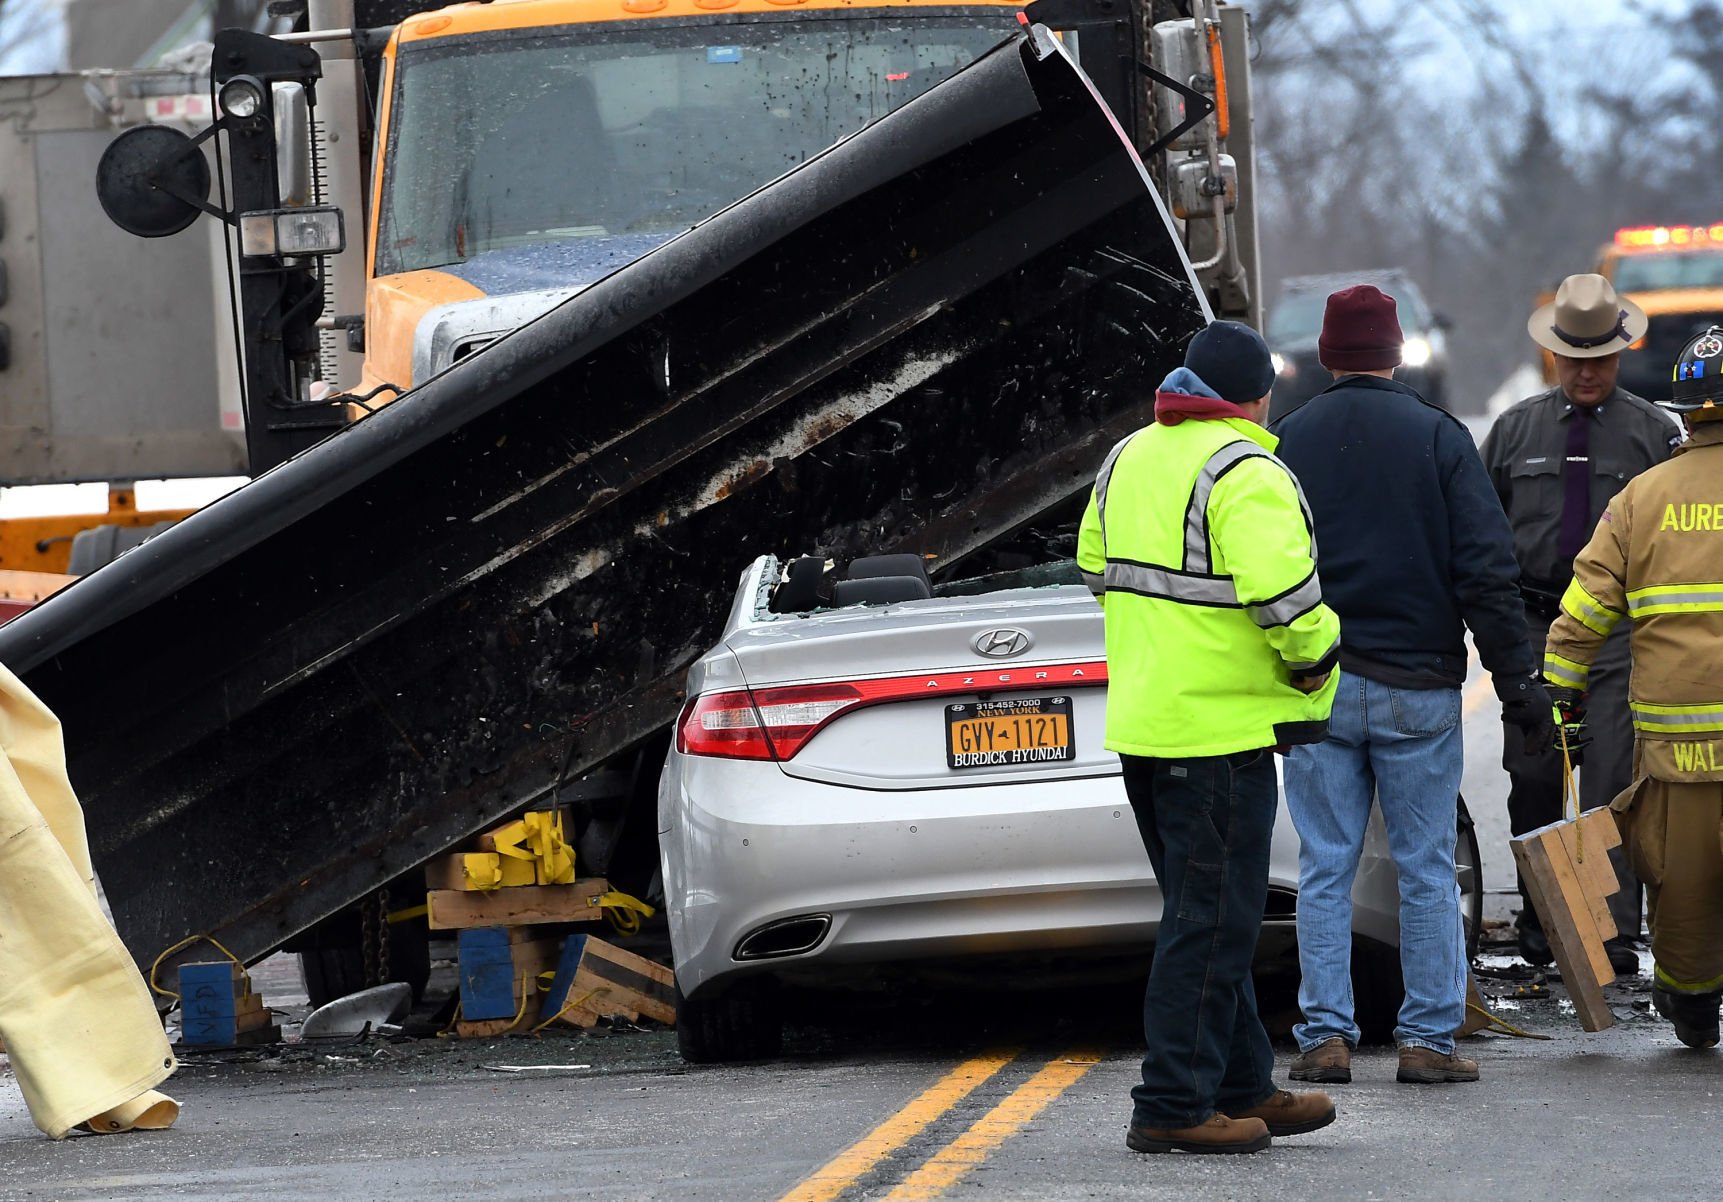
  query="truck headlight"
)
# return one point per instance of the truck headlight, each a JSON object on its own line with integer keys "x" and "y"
{"x": 1283, "y": 366}
{"x": 304, "y": 231}
{"x": 1415, "y": 352}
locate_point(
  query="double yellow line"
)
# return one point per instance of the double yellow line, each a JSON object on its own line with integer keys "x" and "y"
{"x": 952, "y": 1162}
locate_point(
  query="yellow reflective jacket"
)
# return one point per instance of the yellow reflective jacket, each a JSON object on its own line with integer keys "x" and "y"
{"x": 1656, "y": 558}
{"x": 1198, "y": 542}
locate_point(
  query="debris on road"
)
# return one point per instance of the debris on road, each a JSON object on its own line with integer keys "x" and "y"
{"x": 368, "y": 1010}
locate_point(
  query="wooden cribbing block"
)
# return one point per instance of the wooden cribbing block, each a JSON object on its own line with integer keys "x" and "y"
{"x": 609, "y": 980}
{"x": 498, "y": 972}
{"x": 1570, "y": 893}
{"x": 526, "y": 905}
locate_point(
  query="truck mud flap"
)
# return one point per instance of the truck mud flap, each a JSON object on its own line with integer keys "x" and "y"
{"x": 922, "y": 338}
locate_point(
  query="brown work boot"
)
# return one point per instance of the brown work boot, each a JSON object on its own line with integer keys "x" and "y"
{"x": 1328, "y": 1063}
{"x": 1218, "y": 1134}
{"x": 1287, "y": 1113}
{"x": 1425, "y": 1066}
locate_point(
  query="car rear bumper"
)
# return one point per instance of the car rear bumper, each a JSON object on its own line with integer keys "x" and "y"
{"x": 902, "y": 875}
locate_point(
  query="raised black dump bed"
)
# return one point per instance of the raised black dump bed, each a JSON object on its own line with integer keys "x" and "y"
{"x": 922, "y": 340}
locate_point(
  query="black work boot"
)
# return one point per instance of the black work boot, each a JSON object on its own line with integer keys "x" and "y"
{"x": 1534, "y": 944}
{"x": 1694, "y": 1015}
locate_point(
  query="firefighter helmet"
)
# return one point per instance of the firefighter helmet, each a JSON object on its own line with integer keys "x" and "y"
{"x": 1698, "y": 377}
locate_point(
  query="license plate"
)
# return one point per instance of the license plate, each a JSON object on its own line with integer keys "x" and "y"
{"x": 1029, "y": 730}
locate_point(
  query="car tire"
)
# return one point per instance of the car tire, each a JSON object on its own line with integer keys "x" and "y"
{"x": 744, "y": 1022}
{"x": 332, "y": 956}
{"x": 1377, "y": 986}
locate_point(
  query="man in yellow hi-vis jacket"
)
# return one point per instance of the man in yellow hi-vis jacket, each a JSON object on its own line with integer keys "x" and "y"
{"x": 1656, "y": 558}
{"x": 1219, "y": 649}
{"x": 76, "y": 1019}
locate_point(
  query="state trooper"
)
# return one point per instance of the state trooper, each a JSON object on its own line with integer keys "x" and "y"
{"x": 1556, "y": 459}
{"x": 1656, "y": 558}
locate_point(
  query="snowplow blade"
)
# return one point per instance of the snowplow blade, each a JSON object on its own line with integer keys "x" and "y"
{"x": 921, "y": 339}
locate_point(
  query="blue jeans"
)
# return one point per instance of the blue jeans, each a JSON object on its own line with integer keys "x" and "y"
{"x": 1403, "y": 745}
{"x": 1206, "y": 823}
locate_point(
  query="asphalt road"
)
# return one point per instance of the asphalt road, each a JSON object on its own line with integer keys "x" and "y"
{"x": 949, "y": 1096}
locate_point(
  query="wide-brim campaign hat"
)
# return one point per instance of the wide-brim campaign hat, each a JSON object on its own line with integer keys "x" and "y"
{"x": 1587, "y": 320}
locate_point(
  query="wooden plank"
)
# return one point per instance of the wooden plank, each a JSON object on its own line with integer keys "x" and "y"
{"x": 1589, "y": 855}
{"x": 526, "y": 905}
{"x": 1561, "y": 905}
{"x": 651, "y": 986}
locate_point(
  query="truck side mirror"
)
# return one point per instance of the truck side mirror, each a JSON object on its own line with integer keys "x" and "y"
{"x": 152, "y": 181}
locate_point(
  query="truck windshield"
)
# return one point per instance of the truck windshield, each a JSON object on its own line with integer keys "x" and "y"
{"x": 1674, "y": 269}
{"x": 636, "y": 128}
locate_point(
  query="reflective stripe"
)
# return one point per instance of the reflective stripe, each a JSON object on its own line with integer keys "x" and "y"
{"x": 1097, "y": 583}
{"x": 1669, "y": 982}
{"x": 1103, "y": 479}
{"x": 1675, "y": 598}
{"x": 1587, "y": 610}
{"x": 1196, "y": 511}
{"x": 1290, "y": 605}
{"x": 1149, "y": 581}
{"x": 1677, "y": 719}
{"x": 1327, "y": 657}
{"x": 1565, "y": 672}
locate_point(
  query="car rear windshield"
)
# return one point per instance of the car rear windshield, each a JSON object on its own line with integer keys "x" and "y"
{"x": 1041, "y": 575}
{"x": 1298, "y": 316}
{"x": 637, "y": 127}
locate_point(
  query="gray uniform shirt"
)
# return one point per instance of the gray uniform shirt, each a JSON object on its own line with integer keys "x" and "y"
{"x": 1526, "y": 452}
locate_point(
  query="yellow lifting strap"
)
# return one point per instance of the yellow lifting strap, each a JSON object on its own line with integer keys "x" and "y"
{"x": 624, "y": 911}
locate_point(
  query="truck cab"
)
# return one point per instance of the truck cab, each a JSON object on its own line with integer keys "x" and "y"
{"x": 526, "y": 149}
{"x": 1674, "y": 273}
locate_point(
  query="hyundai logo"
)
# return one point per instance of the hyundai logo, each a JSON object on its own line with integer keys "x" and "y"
{"x": 1003, "y": 643}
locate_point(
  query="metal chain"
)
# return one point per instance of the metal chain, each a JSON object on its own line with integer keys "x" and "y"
{"x": 383, "y": 935}
{"x": 368, "y": 942}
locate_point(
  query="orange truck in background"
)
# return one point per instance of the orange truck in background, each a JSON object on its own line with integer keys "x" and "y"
{"x": 1674, "y": 273}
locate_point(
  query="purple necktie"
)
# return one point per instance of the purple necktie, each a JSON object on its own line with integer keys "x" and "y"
{"x": 1576, "y": 474}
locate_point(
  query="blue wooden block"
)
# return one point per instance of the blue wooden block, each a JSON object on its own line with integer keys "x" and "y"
{"x": 566, "y": 966}
{"x": 209, "y": 1009}
{"x": 209, "y": 1032}
{"x": 487, "y": 974}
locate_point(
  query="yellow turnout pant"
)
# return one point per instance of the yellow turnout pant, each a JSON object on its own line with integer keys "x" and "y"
{"x": 75, "y": 1015}
{"x": 1673, "y": 833}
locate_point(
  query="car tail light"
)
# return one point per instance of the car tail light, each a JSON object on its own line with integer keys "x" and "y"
{"x": 776, "y": 723}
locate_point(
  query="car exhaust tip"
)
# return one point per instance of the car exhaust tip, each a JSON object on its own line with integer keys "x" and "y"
{"x": 786, "y": 937}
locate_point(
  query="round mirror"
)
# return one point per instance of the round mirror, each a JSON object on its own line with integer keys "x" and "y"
{"x": 147, "y": 180}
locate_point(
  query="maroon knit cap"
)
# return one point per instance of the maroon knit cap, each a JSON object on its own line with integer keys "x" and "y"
{"x": 1360, "y": 331}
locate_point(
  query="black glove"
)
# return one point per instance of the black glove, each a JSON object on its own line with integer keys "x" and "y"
{"x": 1525, "y": 704}
{"x": 1570, "y": 732}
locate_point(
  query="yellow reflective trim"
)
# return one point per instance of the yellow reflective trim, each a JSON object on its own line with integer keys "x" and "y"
{"x": 1566, "y": 671}
{"x": 1704, "y": 718}
{"x": 1711, "y": 986}
{"x": 1587, "y": 610}
{"x": 1704, "y": 597}
{"x": 1699, "y": 707}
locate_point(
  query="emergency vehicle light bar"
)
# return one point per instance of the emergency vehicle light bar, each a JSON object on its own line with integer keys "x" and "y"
{"x": 1661, "y": 237}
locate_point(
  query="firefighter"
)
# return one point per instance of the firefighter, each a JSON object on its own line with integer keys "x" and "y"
{"x": 1555, "y": 460}
{"x": 76, "y": 1019}
{"x": 1656, "y": 560}
{"x": 1219, "y": 649}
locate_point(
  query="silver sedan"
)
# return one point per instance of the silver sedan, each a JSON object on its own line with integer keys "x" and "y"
{"x": 871, "y": 774}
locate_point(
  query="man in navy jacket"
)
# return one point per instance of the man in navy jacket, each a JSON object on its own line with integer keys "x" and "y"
{"x": 1414, "y": 548}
